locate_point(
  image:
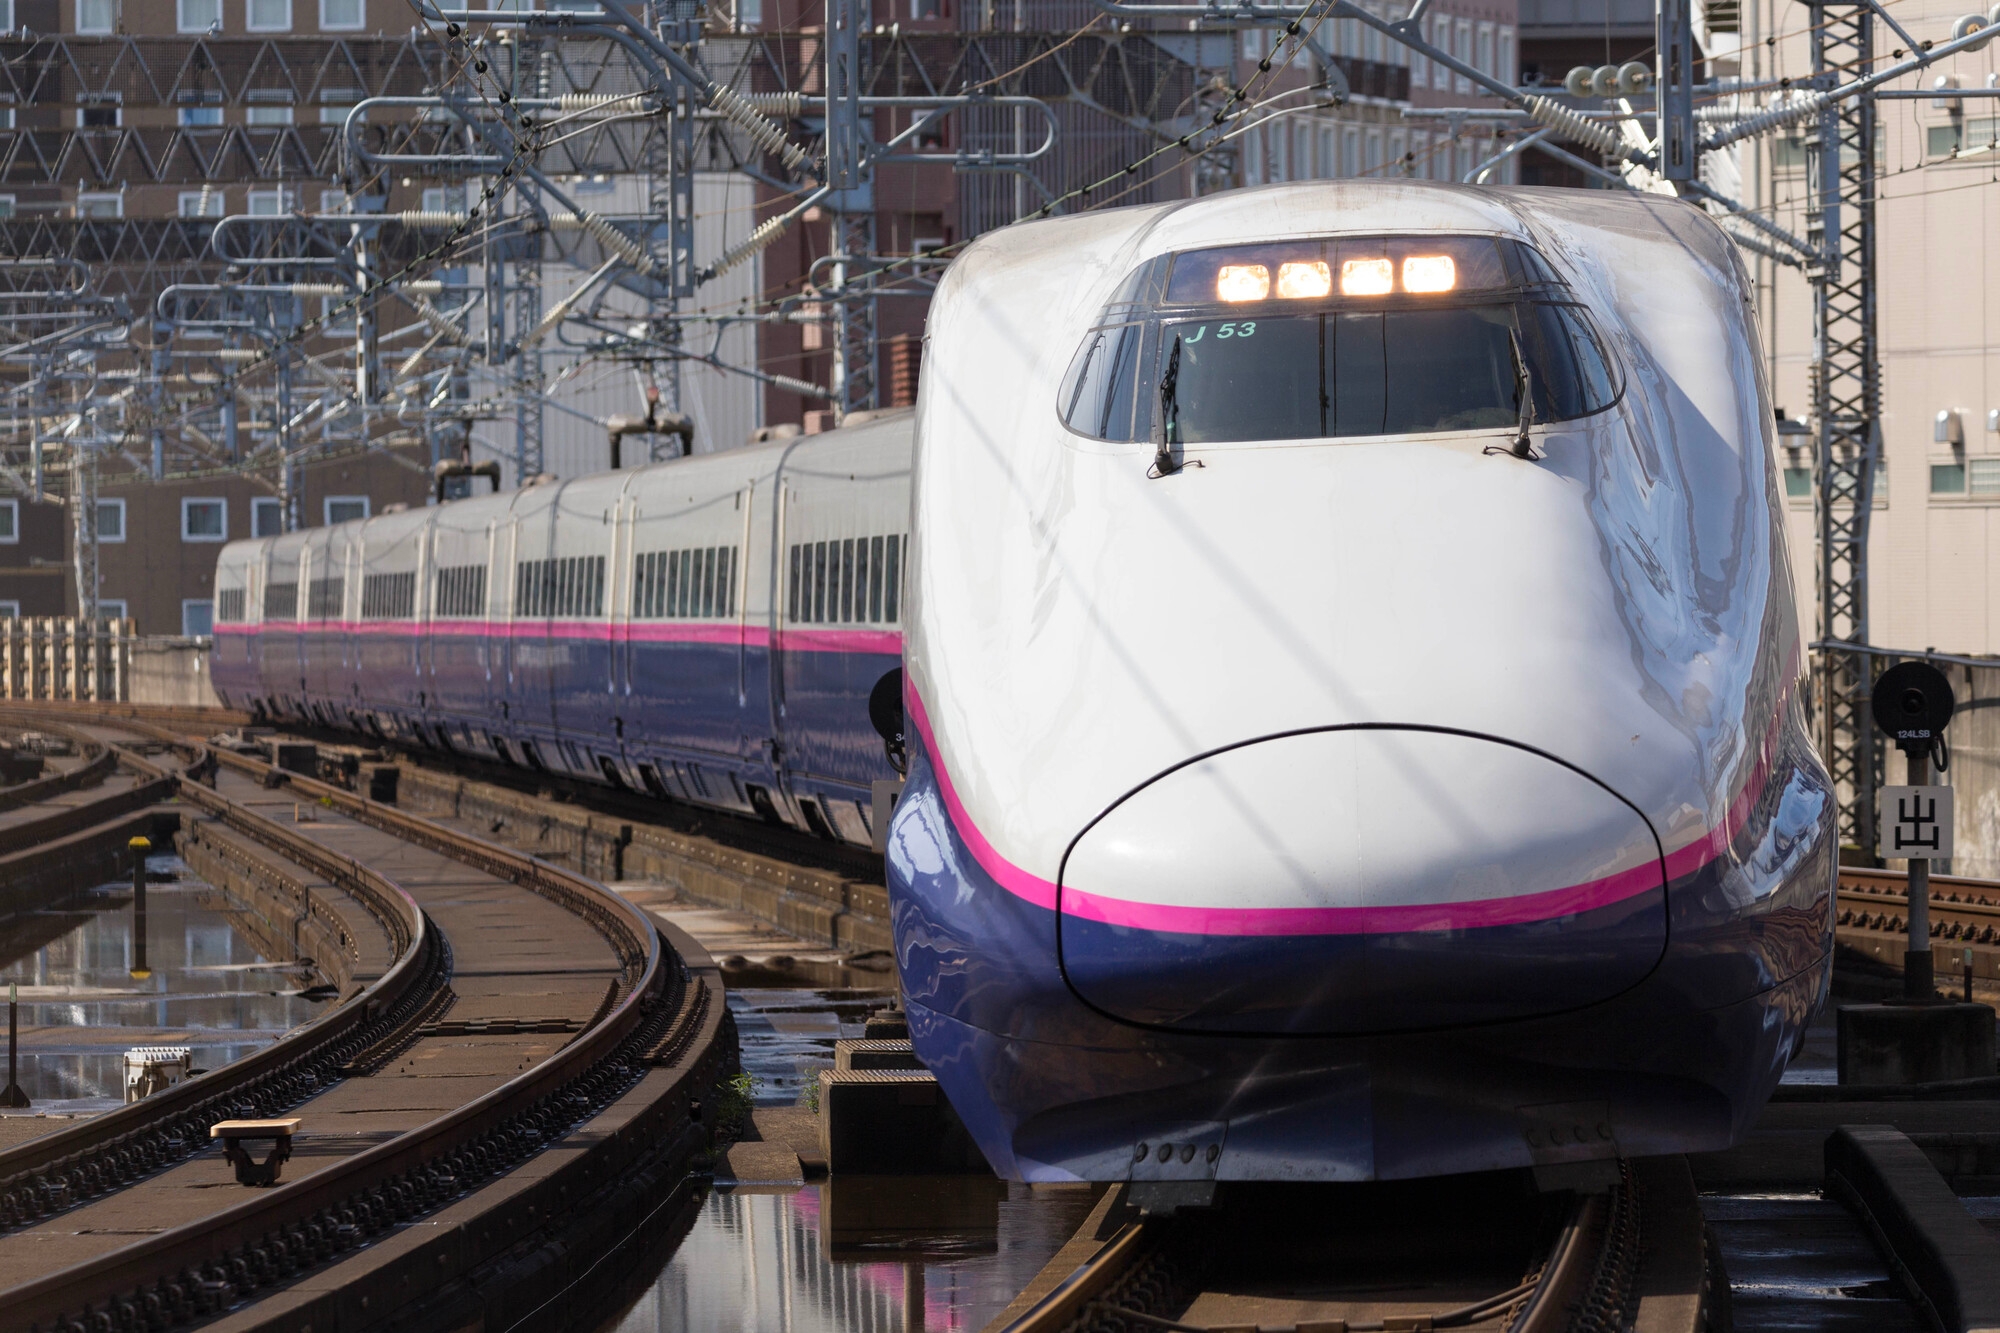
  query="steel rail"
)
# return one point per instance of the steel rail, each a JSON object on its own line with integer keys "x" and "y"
{"x": 92, "y": 1157}
{"x": 202, "y": 1267}
{"x": 1589, "y": 1263}
{"x": 87, "y": 774}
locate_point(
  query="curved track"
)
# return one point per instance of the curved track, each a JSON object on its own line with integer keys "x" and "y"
{"x": 497, "y": 1003}
{"x": 1480, "y": 1252}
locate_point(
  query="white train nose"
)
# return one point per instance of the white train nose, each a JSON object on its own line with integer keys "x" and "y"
{"x": 1361, "y": 880}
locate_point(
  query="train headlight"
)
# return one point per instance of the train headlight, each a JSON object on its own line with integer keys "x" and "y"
{"x": 1243, "y": 282}
{"x": 1429, "y": 273}
{"x": 1303, "y": 281}
{"x": 1367, "y": 277}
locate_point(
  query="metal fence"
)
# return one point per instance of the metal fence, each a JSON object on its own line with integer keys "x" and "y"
{"x": 1974, "y": 741}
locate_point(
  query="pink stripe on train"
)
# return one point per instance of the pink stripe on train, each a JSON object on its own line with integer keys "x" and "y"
{"x": 1399, "y": 918}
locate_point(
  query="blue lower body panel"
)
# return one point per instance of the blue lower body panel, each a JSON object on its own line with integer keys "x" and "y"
{"x": 1054, "y": 1089}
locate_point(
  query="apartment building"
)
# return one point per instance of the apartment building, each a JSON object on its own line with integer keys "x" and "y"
{"x": 1373, "y": 133}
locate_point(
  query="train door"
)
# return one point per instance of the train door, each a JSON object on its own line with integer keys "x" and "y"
{"x": 684, "y": 640}
{"x": 526, "y": 707}
{"x": 838, "y": 621}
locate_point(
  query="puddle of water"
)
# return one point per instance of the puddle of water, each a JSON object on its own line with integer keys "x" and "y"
{"x": 771, "y": 1262}
{"x": 1797, "y": 1261}
{"x": 81, "y": 1008}
{"x": 785, "y": 1037}
{"x": 853, "y": 1254}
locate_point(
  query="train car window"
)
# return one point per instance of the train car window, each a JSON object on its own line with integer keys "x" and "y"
{"x": 325, "y": 599}
{"x": 389, "y": 596}
{"x": 229, "y": 606}
{"x": 685, "y": 584}
{"x": 461, "y": 591}
{"x": 281, "y": 601}
{"x": 851, "y": 581}
{"x": 1098, "y": 398}
{"x": 566, "y": 587}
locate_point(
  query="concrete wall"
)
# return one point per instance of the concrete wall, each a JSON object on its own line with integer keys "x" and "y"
{"x": 172, "y": 671}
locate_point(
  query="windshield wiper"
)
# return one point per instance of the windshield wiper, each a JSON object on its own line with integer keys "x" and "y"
{"x": 1524, "y": 397}
{"x": 1167, "y": 424}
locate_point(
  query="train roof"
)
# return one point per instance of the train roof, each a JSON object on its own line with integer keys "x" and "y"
{"x": 726, "y": 469}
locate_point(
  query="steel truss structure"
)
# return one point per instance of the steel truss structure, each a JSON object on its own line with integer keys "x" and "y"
{"x": 236, "y": 358}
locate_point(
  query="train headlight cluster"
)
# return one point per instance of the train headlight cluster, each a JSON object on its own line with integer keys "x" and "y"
{"x": 1304, "y": 281}
{"x": 1242, "y": 282}
{"x": 1429, "y": 273}
{"x": 1312, "y": 279}
{"x": 1367, "y": 277}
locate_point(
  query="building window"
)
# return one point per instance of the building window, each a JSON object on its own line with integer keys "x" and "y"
{"x": 1798, "y": 483}
{"x": 10, "y": 520}
{"x": 333, "y": 201}
{"x": 1947, "y": 479}
{"x": 267, "y": 115}
{"x": 113, "y": 608}
{"x": 681, "y": 585}
{"x": 196, "y": 117}
{"x": 205, "y": 203}
{"x": 198, "y": 618}
{"x": 335, "y": 113}
{"x": 99, "y": 116}
{"x": 10, "y": 610}
{"x": 1982, "y": 476}
{"x": 100, "y": 206}
{"x": 1509, "y": 73}
{"x": 857, "y": 580}
{"x": 267, "y": 517}
{"x": 336, "y": 315}
{"x": 199, "y": 15}
{"x": 268, "y": 15}
{"x": 345, "y": 508}
{"x": 344, "y": 15}
{"x": 269, "y": 203}
{"x": 6, "y": 206}
{"x": 111, "y": 520}
{"x": 204, "y": 520}
{"x": 96, "y": 17}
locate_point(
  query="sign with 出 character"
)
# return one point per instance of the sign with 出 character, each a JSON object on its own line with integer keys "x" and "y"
{"x": 1916, "y": 822}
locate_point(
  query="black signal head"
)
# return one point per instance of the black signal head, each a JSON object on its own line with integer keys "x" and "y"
{"x": 1912, "y": 703}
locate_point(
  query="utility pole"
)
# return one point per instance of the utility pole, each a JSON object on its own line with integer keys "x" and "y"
{"x": 853, "y": 207}
{"x": 1847, "y": 398}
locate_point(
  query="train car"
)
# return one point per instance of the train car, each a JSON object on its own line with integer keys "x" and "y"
{"x": 708, "y": 630}
{"x": 1356, "y": 708}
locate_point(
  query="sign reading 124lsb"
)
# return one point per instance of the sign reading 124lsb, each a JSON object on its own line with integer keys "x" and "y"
{"x": 1916, "y": 822}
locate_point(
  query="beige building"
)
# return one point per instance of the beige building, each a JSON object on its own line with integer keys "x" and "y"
{"x": 1934, "y": 548}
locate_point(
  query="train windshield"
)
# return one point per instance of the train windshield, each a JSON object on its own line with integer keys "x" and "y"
{"x": 1348, "y": 338}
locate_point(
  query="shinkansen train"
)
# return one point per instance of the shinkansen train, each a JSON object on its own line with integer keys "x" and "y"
{"x": 1356, "y": 710}
{"x": 1353, "y": 707}
{"x": 708, "y": 630}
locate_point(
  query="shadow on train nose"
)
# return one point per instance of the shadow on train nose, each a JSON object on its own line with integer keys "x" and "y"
{"x": 1361, "y": 880}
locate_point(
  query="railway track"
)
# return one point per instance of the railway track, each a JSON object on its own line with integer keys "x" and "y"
{"x": 1471, "y": 1252}
{"x": 1872, "y": 918}
{"x": 562, "y": 1001}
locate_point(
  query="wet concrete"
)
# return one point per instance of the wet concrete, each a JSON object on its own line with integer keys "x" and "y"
{"x": 81, "y": 1008}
